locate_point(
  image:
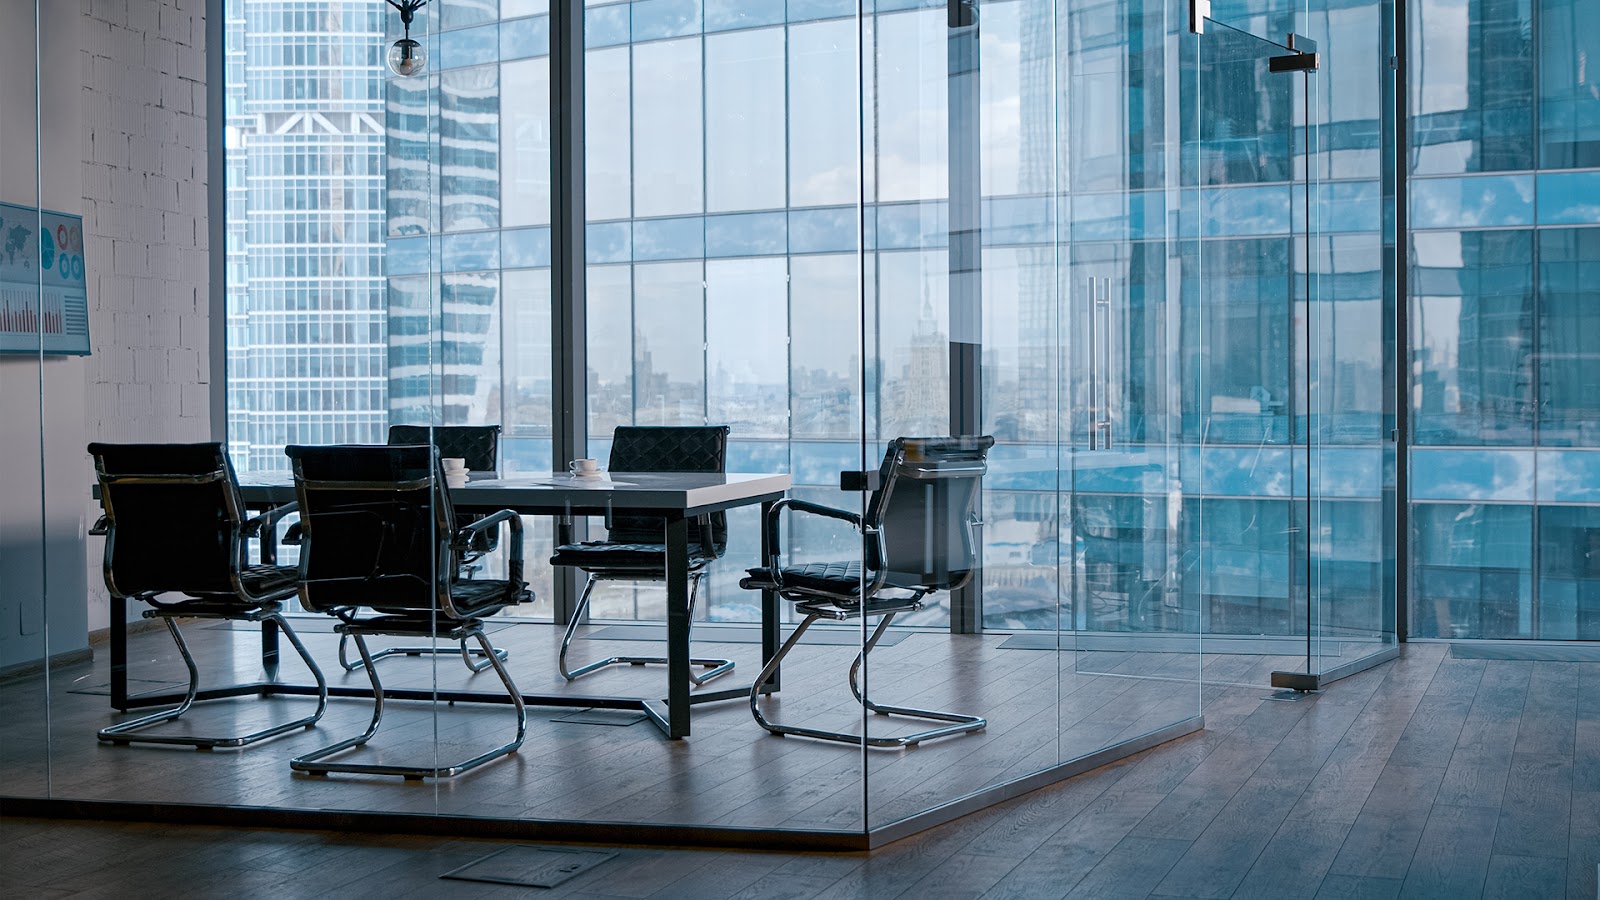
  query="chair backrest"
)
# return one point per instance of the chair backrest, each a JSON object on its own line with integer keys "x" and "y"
{"x": 673, "y": 448}
{"x": 377, "y": 526}
{"x": 173, "y": 514}
{"x": 479, "y": 445}
{"x": 924, "y": 510}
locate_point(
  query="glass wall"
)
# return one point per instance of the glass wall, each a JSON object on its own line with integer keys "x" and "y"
{"x": 827, "y": 227}
{"x": 26, "y": 374}
{"x": 1504, "y": 190}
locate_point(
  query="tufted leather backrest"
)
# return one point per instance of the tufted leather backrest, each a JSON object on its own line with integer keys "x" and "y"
{"x": 479, "y": 445}
{"x": 173, "y": 514}
{"x": 925, "y": 507}
{"x": 377, "y": 526}
{"x": 674, "y": 448}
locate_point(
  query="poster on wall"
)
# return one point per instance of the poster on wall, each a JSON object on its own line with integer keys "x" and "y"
{"x": 42, "y": 249}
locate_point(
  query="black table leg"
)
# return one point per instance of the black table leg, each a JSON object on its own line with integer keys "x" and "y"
{"x": 269, "y": 630}
{"x": 771, "y": 637}
{"x": 677, "y": 627}
{"x": 269, "y": 649}
{"x": 119, "y": 654}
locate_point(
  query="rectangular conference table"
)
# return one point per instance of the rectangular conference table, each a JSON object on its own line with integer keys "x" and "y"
{"x": 676, "y": 497}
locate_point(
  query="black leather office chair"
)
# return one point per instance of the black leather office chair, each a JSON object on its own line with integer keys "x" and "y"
{"x": 380, "y": 554}
{"x": 174, "y": 524}
{"x": 634, "y": 549}
{"x": 479, "y": 446}
{"x": 916, "y": 539}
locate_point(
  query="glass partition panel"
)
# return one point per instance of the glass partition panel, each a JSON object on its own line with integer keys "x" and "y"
{"x": 33, "y": 545}
{"x": 724, "y": 291}
{"x": 1043, "y": 164}
{"x": 1051, "y": 324}
{"x": 1302, "y": 247}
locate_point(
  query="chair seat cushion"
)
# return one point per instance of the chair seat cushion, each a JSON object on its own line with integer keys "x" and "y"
{"x": 621, "y": 555}
{"x": 830, "y": 577}
{"x": 259, "y": 580}
{"x": 473, "y": 600}
{"x": 265, "y": 583}
{"x": 482, "y": 598}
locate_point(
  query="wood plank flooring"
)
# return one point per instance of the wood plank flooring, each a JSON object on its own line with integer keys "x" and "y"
{"x": 1426, "y": 777}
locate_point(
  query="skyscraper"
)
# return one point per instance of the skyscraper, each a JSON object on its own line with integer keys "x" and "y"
{"x": 306, "y": 308}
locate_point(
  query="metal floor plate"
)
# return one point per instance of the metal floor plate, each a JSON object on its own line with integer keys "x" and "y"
{"x": 526, "y": 865}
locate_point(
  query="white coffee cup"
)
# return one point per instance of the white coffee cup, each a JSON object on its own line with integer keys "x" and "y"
{"x": 584, "y": 468}
{"x": 454, "y": 464}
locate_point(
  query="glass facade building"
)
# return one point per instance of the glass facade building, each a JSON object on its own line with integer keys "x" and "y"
{"x": 1505, "y": 215}
{"x": 724, "y": 281}
{"x": 307, "y": 305}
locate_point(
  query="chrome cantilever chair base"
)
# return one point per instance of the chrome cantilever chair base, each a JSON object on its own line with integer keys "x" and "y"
{"x": 715, "y": 668}
{"x": 467, "y": 653}
{"x": 126, "y": 733}
{"x": 960, "y": 723}
{"x": 317, "y": 763}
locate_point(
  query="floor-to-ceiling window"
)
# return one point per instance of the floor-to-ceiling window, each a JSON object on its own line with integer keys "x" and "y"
{"x": 1505, "y": 201}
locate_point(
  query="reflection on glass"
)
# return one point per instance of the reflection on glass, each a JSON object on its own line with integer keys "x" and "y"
{"x": 1569, "y": 573}
{"x": 1569, "y": 337}
{"x": 913, "y": 352}
{"x": 1472, "y": 85}
{"x": 744, "y": 120}
{"x": 825, "y": 346}
{"x": 469, "y": 148}
{"x": 608, "y": 181}
{"x": 610, "y": 354}
{"x": 668, "y": 147}
{"x": 823, "y": 166}
{"x": 1569, "y": 93}
{"x": 1472, "y": 322}
{"x": 525, "y": 136}
{"x": 1472, "y": 570}
{"x": 668, "y": 344}
{"x": 747, "y": 384}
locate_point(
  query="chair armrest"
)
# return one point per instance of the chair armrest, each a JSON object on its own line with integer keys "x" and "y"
{"x": 770, "y": 526}
{"x": 462, "y": 540}
{"x": 264, "y": 523}
{"x": 867, "y": 480}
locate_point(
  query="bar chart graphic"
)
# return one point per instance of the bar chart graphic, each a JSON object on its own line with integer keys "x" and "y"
{"x": 43, "y": 296}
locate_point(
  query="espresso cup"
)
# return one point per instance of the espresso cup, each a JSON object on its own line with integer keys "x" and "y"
{"x": 453, "y": 464}
{"x": 584, "y": 467}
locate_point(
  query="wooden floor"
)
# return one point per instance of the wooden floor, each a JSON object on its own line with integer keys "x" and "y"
{"x": 1043, "y": 707}
{"x": 1428, "y": 776}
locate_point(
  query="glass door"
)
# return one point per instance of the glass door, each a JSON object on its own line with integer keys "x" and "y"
{"x": 1254, "y": 381}
{"x": 1128, "y": 628}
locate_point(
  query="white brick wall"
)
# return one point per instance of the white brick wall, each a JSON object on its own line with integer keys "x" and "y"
{"x": 144, "y": 185}
{"x": 144, "y": 210}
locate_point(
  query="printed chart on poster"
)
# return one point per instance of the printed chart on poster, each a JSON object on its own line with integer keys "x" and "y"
{"x": 42, "y": 282}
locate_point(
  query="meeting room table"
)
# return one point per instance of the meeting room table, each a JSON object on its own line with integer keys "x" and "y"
{"x": 674, "y": 497}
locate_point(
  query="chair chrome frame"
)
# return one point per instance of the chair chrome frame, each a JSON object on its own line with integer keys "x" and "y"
{"x": 314, "y": 763}
{"x": 124, "y": 733}
{"x": 817, "y": 603}
{"x": 462, "y": 624}
{"x": 715, "y": 667}
{"x": 245, "y": 606}
{"x": 709, "y": 550}
{"x": 405, "y": 434}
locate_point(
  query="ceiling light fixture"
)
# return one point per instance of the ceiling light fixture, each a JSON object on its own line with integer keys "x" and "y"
{"x": 407, "y": 57}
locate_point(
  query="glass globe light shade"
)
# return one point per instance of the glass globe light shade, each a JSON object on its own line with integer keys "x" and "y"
{"x": 407, "y": 57}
